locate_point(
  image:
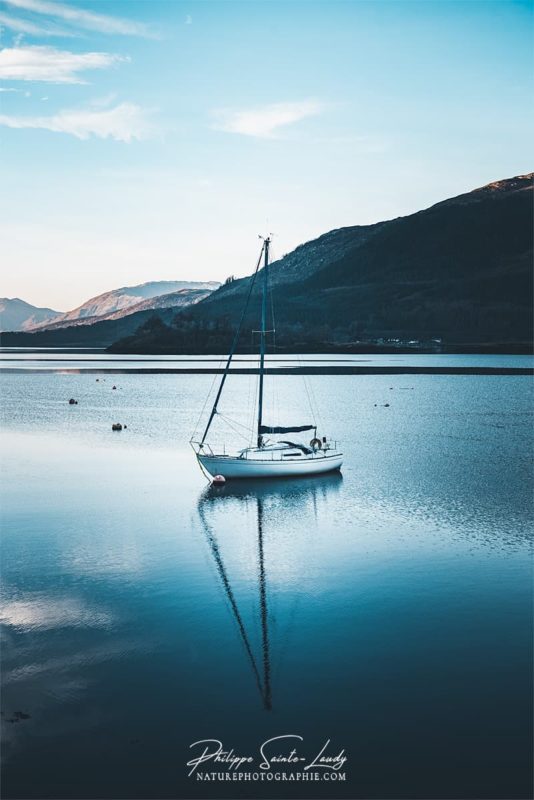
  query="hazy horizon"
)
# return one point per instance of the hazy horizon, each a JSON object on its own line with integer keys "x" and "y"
{"x": 155, "y": 140}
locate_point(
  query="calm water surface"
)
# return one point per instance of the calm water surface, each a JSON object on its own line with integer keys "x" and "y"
{"x": 388, "y": 609}
{"x": 18, "y": 358}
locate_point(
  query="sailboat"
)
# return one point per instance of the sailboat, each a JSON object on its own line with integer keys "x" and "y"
{"x": 265, "y": 457}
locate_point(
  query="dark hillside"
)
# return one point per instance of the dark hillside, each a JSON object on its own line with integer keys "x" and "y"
{"x": 460, "y": 271}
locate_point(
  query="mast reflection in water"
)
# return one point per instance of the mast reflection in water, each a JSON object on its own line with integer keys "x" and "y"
{"x": 288, "y": 496}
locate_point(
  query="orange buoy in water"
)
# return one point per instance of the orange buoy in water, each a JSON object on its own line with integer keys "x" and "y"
{"x": 219, "y": 480}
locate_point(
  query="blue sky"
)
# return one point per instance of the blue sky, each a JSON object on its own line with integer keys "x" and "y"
{"x": 155, "y": 140}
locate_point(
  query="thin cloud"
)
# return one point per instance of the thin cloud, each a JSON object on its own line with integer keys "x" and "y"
{"x": 266, "y": 121}
{"x": 124, "y": 123}
{"x": 84, "y": 19}
{"x": 41, "y": 63}
{"x": 29, "y": 28}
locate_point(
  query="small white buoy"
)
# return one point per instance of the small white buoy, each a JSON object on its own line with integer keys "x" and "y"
{"x": 219, "y": 480}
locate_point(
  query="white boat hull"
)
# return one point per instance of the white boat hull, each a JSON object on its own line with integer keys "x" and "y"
{"x": 234, "y": 467}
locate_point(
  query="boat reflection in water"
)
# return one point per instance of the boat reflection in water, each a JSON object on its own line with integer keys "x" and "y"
{"x": 287, "y": 498}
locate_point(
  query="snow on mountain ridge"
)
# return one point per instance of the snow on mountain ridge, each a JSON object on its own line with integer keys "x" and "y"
{"x": 179, "y": 299}
{"x": 126, "y": 297}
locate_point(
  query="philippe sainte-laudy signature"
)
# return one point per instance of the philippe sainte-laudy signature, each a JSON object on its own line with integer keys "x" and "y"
{"x": 277, "y": 752}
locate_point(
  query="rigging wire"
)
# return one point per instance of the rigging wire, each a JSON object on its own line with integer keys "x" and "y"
{"x": 209, "y": 394}
{"x": 274, "y": 394}
{"x": 307, "y": 390}
{"x": 231, "y": 422}
{"x": 256, "y": 396}
{"x": 235, "y": 430}
{"x": 310, "y": 395}
{"x": 250, "y": 382}
{"x": 234, "y": 345}
{"x": 319, "y": 418}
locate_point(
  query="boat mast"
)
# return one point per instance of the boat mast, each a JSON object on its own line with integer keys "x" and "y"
{"x": 262, "y": 334}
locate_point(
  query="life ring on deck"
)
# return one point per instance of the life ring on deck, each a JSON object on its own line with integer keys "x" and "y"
{"x": 316, "y": 444}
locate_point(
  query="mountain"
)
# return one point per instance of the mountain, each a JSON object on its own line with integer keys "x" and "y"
{"x": 98, "y": 334}
{"x": 179, "y": 299}
{"x": 128, "y": 299}
{"x": 17, "y": 315}
{"x": 460, "y": 272}
{"x": 77, "y": 329}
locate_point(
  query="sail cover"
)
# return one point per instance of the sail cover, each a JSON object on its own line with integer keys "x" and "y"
{"x": 294, "y": 429}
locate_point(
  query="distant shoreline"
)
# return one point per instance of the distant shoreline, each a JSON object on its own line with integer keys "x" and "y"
{"x": 304, "y": 370}
{"x": 25, "y": 342}
{"x": 332, "y": 348}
